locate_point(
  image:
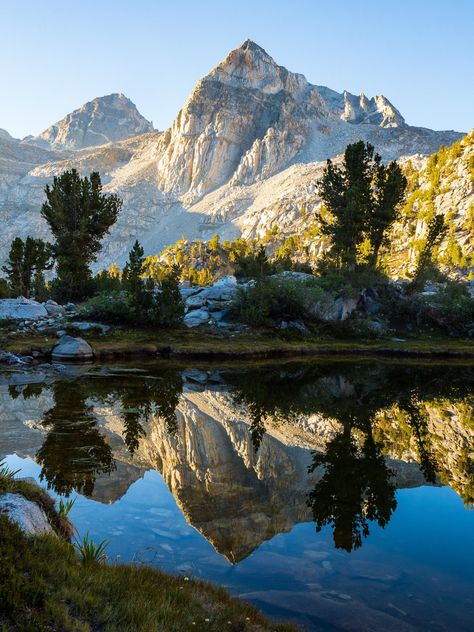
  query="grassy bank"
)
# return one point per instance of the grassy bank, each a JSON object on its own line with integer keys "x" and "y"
{"x": 44, "y": 586}
{"x": 191, "y": 344}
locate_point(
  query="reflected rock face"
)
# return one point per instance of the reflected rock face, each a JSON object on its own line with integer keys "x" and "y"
{"x": 235, "y": 496}
{"x": 249, "y": 454}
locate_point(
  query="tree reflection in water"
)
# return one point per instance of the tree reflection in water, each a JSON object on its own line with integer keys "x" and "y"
{"x": 356, "y": 486}
{"x": 352, "y": 485}
{"x": 75, "y": 450}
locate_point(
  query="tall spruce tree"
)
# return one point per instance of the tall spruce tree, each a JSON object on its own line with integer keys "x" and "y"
{"x": 388, "y": 194}
{"x": 362, "y": 196}
{"x": 79, "y": 215}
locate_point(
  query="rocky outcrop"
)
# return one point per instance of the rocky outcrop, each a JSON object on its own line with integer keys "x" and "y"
{"x": 21, "y": 309}
{"x": 209, "y": 304}
{"x": 103, "y": 120}
{"x": 242, "y": 156}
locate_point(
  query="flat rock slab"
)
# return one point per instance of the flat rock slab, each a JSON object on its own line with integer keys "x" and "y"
{"x": 29, "y": 516}
{"x": 21, "y": 309}
{"x": 72, "y": 349}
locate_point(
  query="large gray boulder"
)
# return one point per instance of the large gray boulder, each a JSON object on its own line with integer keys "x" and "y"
{"x": 223, "y": 290}
{"x": 196, "y": 317}
{"x": 21, "y": 309}
{"x": 71, "y": 349}
{"x": 29, "y": 516}
{"x": 54, "y": 309}
{"x": 333, "y": 310}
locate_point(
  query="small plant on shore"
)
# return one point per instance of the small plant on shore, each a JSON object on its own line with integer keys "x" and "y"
{"x": 89, "y": 551}
{"x": 65, "y": 506}
{"x": 6, "y": 473}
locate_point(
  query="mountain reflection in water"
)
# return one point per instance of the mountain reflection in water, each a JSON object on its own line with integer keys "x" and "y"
{"x": 361, "y": 427}
{"x": 251, "y": 452}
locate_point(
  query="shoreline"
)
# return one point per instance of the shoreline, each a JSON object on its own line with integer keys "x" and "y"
{"x": 258, "y": 345}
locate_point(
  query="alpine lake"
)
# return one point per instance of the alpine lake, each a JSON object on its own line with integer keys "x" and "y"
{"x": 334, "y": 494}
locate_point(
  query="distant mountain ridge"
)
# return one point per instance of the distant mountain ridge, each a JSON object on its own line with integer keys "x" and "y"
{"x": 244, "y": 151}
{"x": 103, "y": 120}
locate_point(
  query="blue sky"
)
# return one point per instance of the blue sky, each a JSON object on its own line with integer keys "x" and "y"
{"x": 55, "y": 56}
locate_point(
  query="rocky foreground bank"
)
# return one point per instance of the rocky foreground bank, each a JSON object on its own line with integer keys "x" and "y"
{"x": 386, "y": 321}
{"x": 45, "y": 585}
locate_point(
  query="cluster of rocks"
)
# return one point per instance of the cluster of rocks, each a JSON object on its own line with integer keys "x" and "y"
{"x": 48, "y": 317}
{"x": 211, "y": 304}
{"x": 30, "y": 315}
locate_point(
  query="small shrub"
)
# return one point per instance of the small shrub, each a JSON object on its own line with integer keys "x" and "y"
{"x": 111, "y": 307}
{"x": 450, "y": 311}
{"x": 278, "y": 299}
{"x": 5, "y": 291}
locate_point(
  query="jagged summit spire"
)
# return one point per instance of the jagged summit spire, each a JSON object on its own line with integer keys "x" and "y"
{"x": 250, "y": 66}
{"x": 250, "y": 45}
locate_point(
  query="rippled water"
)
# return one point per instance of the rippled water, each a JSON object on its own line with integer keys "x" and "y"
{"x": 334, "y": 494}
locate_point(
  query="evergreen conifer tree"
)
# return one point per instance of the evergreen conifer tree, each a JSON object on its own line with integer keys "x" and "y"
{"x": 27, "y": 261}
{"x": 79, "y": 215}
{"x": 362, "y": 196}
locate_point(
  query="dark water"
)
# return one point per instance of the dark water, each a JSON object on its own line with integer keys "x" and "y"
{"x": 334, "y": 494}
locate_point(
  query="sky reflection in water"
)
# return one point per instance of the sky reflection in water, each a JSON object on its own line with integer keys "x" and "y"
{"x": 237, "y": 447}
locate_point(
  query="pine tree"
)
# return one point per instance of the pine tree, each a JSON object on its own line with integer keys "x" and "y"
{"x": 140, "y": 298}
{"x": 27, "y": 261}
{"x": 362, "y": 197}
{"x": 168, "y": 303}
{"x": 389, "y": 192}
{"x": 436, "y": 231}
{"x": 79, "y": 215}
{"x": 14, "y": 267}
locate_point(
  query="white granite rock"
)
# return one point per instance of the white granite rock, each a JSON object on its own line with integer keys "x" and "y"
{"x": 196, "y": 317}
{"x": 21, "y": 309}
{"x": 29, "y": 516}
{"x": 53, "y": 308}
{"x": 72, "y": 349}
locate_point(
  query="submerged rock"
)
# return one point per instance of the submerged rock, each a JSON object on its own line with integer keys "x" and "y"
{"x": 29, "y": 516}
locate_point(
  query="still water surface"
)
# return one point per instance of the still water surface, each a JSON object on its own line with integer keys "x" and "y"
{"x": 334, "y": 494}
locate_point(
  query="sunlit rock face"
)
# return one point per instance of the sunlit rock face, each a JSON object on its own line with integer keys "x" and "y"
{"x": 242, "y": 155}
{"x": 103, "y": 120}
